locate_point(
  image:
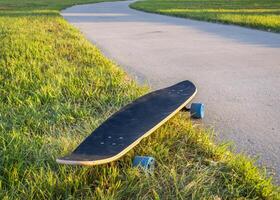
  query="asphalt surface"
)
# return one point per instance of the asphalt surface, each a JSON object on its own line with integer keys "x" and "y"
{"x": 236, "y": 70}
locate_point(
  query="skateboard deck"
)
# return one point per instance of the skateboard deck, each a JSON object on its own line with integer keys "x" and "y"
{"x": 127, "y": 127}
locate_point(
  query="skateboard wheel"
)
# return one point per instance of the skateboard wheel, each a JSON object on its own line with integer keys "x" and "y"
{"x": 144, "y": 162}
{"x": 197, "y": 110}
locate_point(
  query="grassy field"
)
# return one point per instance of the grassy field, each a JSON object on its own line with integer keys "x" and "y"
{"x": 56, "y": 87}
{"x": 260, "y": 14}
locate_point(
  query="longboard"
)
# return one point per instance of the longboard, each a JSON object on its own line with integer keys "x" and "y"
{"x": 127, "y": 127}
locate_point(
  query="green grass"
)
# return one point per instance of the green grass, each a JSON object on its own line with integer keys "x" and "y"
{"x": 56, "y": 87}
{"x": 260, "y": 14}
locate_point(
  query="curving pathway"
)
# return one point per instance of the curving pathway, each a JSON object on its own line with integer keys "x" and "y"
{"x": 237, "y": 70}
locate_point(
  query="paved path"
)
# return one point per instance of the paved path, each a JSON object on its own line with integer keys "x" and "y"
{"x": 237, "y": 70}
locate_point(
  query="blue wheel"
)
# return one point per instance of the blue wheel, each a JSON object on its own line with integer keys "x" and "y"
{"x": 145, "y": 162}
{"x": 197, "y": 110}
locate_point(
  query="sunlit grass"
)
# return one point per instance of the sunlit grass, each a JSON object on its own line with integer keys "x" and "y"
{"x": 56, "y": 87}
{"x": 261, "y": 14}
